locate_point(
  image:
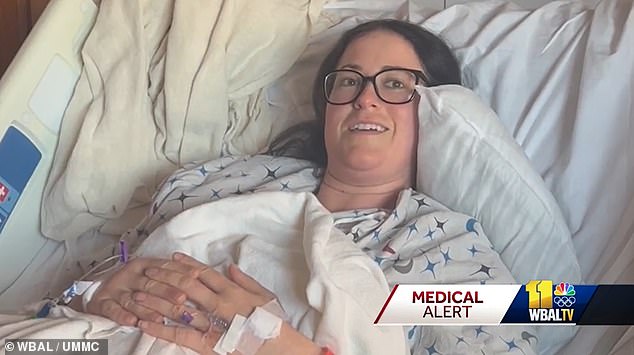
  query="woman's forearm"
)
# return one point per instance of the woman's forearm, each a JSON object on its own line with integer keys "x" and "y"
{"x": 290, "y": 342}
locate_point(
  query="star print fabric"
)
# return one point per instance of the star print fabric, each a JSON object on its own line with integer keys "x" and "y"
{"x": 420, "y": 241}
{"x": 199, "y": 183}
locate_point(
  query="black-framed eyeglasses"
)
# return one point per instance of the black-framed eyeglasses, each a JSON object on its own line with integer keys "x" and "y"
{"x": 393, "y": 85}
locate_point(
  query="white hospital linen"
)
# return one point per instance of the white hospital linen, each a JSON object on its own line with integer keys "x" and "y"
{"x": 165, "y": 82}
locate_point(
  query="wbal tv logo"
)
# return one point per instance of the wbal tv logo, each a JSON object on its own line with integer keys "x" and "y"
{"x": 546, "y": 305}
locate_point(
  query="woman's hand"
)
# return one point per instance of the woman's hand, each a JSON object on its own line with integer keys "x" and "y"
{"x": 113, "y": 299}
{"x": 217, "y": 297}
{"x": 210, "y": 290}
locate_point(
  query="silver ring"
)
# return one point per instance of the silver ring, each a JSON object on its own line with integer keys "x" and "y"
{"x": 217, "y": 324}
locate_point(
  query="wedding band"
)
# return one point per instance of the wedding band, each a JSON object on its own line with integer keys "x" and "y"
{"x": 217, "y": 324}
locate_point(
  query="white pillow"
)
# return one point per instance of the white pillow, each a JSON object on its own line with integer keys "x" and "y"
{"x": 470, "y": 163}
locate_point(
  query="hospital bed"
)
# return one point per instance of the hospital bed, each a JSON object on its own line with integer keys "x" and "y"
{"x": 568, "y": 104}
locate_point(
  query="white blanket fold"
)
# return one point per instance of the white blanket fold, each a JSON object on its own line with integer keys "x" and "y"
{"x": 327, "y": 285}
{"x": 166, "y": 82}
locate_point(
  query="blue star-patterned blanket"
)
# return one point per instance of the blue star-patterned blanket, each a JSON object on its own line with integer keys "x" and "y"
{"x": 331, "y": 272}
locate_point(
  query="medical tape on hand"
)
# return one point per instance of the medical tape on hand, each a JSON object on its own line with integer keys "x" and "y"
{"x": 248, "y": 335}
{"x": 88, "y": 293}
{"x": 274, "y": 307}
{"x": 229, "y": 340}
{"x": 76, "y": 289}
{"x": 260, "y": 327}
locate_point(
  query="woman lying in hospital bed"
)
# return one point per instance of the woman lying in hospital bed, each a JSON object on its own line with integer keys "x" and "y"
{"x": 329, "y": 253}
{"x": 369, "y": 135}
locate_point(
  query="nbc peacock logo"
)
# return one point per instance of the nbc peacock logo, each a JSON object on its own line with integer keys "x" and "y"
{"x": 565, "y": 289}
{"x": 564, "y": 295}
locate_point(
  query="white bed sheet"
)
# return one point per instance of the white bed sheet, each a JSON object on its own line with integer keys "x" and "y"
{"x": 571, "y": 107}
{"x": 55, "y": 266}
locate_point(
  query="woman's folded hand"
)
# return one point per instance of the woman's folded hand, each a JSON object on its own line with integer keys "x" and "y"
{"x": 207, "y": 288}
{"x": 216, "y": 300}
{"x": 114, "y": 298}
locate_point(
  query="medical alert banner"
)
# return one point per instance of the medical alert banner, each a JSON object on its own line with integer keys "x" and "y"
{"x": 537, "y": 302}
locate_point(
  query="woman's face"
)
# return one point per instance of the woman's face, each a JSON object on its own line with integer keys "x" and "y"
{"x": 386, "y": 155}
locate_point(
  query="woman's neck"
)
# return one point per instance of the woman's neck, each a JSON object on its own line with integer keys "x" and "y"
{"x": 337, "y": 195}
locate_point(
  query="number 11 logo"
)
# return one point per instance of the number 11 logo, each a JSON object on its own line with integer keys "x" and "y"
{"x": 540, "y": 294}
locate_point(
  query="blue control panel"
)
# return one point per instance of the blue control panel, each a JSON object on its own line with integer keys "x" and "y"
{"x": 18, "y": 159}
